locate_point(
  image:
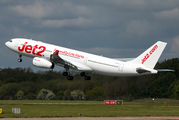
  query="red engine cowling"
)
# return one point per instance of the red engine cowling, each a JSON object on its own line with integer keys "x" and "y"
{"x": 43, "y": 63}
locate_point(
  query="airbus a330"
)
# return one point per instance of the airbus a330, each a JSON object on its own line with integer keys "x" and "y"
{"x": 47, "y": 56}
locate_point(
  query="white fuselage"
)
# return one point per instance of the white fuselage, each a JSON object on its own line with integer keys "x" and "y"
{"x": 86, "y": 62}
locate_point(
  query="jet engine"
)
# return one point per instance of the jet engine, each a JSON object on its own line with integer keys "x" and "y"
{"x": 43, "y": 63}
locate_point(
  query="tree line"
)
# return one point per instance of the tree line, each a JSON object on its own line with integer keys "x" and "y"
{"x": 23, "y": 83}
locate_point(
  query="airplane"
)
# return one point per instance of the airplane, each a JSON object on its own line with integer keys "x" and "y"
{"x": 47, "y": 56}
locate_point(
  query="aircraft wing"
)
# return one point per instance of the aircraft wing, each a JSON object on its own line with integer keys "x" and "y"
{"x": 55, "y": 58}
{"x": 59, "y": 61}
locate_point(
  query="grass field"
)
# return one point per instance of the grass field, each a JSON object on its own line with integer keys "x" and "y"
{"x": 38, "y": 108}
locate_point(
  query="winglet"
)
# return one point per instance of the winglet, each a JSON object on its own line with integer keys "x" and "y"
{"x": 56, "y": 52}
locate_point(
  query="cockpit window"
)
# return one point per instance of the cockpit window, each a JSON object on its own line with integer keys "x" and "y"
{"x": 10, "y": 41}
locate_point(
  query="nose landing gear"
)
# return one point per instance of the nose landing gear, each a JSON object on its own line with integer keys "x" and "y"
{"x": 20, "y": 59}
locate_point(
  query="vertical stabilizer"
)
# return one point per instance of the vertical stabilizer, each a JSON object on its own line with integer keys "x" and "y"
{"x": 150, "y": 57}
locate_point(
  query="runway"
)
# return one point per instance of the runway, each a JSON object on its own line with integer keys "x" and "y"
{"x": 53, "y": 103}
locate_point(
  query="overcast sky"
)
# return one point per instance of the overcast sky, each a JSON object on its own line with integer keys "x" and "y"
{"x": 112, "y": 28}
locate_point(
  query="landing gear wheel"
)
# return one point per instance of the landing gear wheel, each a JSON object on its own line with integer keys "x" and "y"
{"x": 87, "y": 78}
{"x": 82, "y": 74}
{"x": 70, "y": 77}
{"x": 65, "y": 73}
{"x": 19, "y": 60}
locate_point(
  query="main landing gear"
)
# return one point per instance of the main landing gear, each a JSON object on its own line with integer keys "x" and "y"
{"x": 68, "y": 75}
{"x": 20, "y": 58}
{"x": 85, "y": 76}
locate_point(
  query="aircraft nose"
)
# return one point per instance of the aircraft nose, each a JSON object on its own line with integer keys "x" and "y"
{"x": 7, "y": 44}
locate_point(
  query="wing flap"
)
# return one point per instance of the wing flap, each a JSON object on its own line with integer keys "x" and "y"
{"x": 80, "y": 66}
{"x": 124, "y": 59}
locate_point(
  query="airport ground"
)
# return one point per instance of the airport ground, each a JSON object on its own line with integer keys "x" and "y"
{"x": 90, "y": 110}
{"x": 97, "y": 118}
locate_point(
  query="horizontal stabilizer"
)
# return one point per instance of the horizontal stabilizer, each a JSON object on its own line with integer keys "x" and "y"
{"x": 165, "y": 70}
